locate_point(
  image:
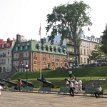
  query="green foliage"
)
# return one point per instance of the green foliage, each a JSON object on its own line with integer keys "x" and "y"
{"x": 68, "y": 20}
{"x": 104, "y": 41}
{"x": 57, "y": 76}
{"x": 78, "y": 72}
{"x": 97, "y": 53}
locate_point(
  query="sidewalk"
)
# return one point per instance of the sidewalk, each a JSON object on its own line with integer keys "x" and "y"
{"x": 24, "y": 99}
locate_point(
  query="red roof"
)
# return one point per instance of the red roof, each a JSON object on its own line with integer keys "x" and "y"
{"x": 5, "y": 44}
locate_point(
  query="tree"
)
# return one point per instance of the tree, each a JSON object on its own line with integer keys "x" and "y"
{"x": 97, "y": 54}
{"x": 68, "y": 20}
{"x": 104, "y": 41}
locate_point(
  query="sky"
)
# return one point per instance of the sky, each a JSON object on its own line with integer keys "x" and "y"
{"x": 24, "y": 17}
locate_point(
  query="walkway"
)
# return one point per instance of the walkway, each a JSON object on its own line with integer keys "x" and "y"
{"x": 23, "y": 99}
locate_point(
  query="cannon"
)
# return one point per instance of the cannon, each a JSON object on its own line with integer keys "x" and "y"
{"x": 13, "y": 85}
{"x": 47, "y": 85}
{"x": 2, "y": 84}
{"x": 27, "y": 86}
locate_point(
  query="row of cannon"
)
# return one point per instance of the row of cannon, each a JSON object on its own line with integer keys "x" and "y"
{"x": 25, "y": 85}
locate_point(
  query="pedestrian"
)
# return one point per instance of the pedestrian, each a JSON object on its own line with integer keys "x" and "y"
{"x": 19, "y": 84}
{"x": 76, "y": 86}
{"x": 80, "y": 85}
{"x": 71, "y": 85}
{"x": 1, "y": 89}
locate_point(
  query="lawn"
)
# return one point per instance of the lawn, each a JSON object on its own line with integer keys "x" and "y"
{"x": 57, "y": 76}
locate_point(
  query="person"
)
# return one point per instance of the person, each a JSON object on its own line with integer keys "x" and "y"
{"x": 80, "y": 85}
{"x": 76, "y": 86}
{"x": 1, "y": 89}
{"x": 66, "y": 82}
{"x": 20, "y": 84}
{"x": 71, "y": 85}
{"x": 99, "y": 91}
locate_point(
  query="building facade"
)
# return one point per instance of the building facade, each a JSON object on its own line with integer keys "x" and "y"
{"x": 33, "y": 56}
{"x": 6, "y": 55}
{"x": 84, "y": 49}
{"x": 87, "y": 45}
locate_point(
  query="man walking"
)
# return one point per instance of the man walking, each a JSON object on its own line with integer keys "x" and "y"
{"x": 71, "y": 85}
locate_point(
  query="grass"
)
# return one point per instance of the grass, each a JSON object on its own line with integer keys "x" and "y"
{"x": 57, "y": 76}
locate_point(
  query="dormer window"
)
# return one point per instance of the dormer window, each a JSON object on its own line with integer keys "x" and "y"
{"x": 46, "y": 48}
{"x": 55, "y": 49}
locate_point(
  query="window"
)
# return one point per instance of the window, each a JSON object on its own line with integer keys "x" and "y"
{"x": 59, "y": 50}
{"x": 55, "y": 49}
{"x": 46, "y": 48}
{"x": 23, "y": 47}
{"x": 50, "y": 48}
{"x": 8, "y": 52}
{"x": 18, "y": 48}
{"x": 37, "y": 46}
{"x": 42, "y": 48}
{"x": 35, "y": 61}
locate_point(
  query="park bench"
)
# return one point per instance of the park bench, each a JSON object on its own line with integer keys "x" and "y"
{"x": 91, "y": 91}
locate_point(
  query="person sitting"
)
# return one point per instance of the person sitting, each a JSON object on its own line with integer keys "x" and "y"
{"x": 98, "y": 92}
{"x": 66, "y": 82}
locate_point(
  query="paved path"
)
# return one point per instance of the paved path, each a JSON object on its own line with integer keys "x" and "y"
{"x": 22, "y": 99}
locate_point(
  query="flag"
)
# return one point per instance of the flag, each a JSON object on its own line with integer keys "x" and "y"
{"x": 40, "y": 30}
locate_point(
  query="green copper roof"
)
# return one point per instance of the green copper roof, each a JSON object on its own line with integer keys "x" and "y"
{"x": 33, "y": 45}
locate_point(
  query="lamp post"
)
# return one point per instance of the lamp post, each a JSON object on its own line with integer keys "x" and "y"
{"x": 22, "y": 66}
{"x": 26, "y": 67}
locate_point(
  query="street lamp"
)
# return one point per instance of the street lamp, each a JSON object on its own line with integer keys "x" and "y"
{"x": 22, "y": 66}
{"x": 26, "y": 67}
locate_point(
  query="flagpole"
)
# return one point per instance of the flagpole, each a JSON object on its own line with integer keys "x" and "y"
{"x": 40, "y": 51}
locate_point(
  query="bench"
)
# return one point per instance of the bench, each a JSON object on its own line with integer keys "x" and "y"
{"x": 91, "y": 91}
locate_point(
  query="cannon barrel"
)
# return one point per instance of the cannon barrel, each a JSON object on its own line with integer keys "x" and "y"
{"x": 2, "y": 84}
{"x": 45, "y": 82}
{"x": 9, "y": 82}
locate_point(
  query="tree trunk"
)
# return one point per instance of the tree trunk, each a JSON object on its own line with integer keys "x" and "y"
{"x": 75, "y": 54}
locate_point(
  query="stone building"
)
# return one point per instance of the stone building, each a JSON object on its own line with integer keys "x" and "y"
{"x": 6, "y": 55}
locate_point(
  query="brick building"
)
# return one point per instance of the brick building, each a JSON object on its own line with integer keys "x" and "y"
{"x": 32, "y": 55}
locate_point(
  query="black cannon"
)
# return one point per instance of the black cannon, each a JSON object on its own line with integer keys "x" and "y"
{"x": 13, "y": 85}
{"x": 27, "y": 86}
{"x": 47, "y": 85}
{"x": 2, "y": 84}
